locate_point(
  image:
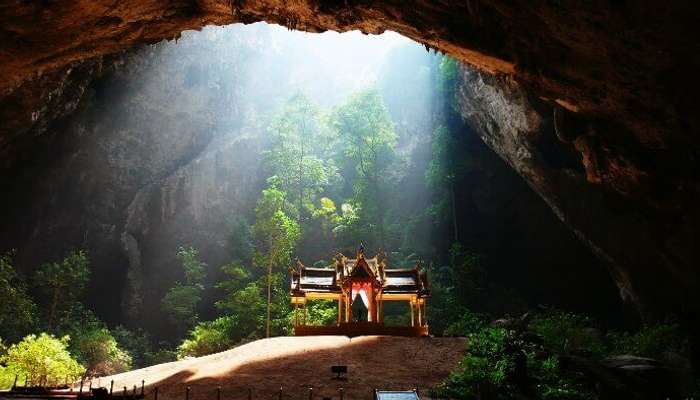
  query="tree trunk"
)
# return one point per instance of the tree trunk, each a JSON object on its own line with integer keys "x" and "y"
{"x": 52, "y": 312}
{"x": 269, "y": 297}
{"x": 454, "y": 211}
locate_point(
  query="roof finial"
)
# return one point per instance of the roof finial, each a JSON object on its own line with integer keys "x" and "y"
{"x": 362, "y": 248}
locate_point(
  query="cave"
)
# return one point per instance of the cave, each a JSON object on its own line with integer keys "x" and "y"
{"x": 581, "y": 118}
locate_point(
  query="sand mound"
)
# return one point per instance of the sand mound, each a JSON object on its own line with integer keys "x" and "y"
{"x": 297, "y": 363}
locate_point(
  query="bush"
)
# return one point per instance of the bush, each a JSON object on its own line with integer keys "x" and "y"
{"x": 468, "y": 323}
{"x": 17, "y": 310}
{"x": 137, "y": 343}
{"x": 484, "y": 371}
{"x": 42, "y": 358}
{"x": 208, "y": 337}
{"x": 160, "y": 356}
{"x": 650, "y": 341}
{"x": 320, "y": 312}
{"x": 564, "y": 332}
{"x": 500, "y": 365}
{"x": 97, "y": 349}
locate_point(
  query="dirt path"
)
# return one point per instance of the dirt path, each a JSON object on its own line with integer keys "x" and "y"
{"x": 297, "y": 363}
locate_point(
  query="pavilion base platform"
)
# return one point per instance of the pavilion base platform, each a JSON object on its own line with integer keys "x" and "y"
{"x": 352, "y": 329}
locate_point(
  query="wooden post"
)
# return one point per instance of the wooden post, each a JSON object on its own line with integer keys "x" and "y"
{"x": 133, "y": 392}
{"x": 143, "y": 383}
{"x": 413, "y": 323}
{"x": 218, "y": 393}
{"x": 81, "y": 384}
{"x": 280, "y": 395}
{"x": 14, "y": 385}
{"x": 111, "y": 387}
{"x": 420, "y": 315}
{"x": 340, "y": 391}
{"x": 187, "y": 393}
{"x": 311, "y": 393}
{"x": 296, "y": 313}
{"x": 124, "y": 392}
{"x": 155, "y": 394}
{"x": 250, "y": 394}
{"x": 340, "y": 308}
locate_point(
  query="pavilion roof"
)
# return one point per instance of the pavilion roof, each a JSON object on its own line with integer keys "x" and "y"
{"x": 331, "y": 279}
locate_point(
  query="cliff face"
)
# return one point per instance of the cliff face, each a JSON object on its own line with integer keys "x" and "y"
{"x": 143, "y": 166}
{"x": 636, "y": 218}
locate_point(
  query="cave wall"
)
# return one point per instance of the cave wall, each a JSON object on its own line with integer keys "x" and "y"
{"x": 651, "y": 249}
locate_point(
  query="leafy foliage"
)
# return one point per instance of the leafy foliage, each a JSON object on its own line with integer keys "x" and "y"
{"x": 180, "y": 302}
{"x": 650, "y": 341}
{"x": 136, "y": 343}
{"x": 300, "y": 141}
{"x": 18, "y": 313}
{"x": 63, "y": 283}
{"x": 42, "y": 358}
{"x": 565, "y": 332}
{"x": 368, "y": 140}
{"x": 98, "y": 351}
{"x": 276, "y": 235}
{"x": 209, "y": 337}
{"x": 501, "y": 365}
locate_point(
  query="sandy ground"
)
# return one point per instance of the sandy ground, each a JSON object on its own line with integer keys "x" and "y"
{"x": 297, "y": 363}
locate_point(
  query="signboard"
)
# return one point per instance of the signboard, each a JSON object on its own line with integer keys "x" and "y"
{"x": 396, "y": 395}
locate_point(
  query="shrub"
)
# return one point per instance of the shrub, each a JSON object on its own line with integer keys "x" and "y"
{"x": 137, "y": 343}
{"x": 500, "y": 365}
{"x": 42, "y": 358}
{"x": 97, "y": 349}
{"x": 208, "y": 337}
{"x": 320, "y": 312}
{"x": 468, "y": 323}
{"x": 563, "y": 332}
{"x": 159, "y": 356}
{"x": 484, "y": 371}
{"x": 650, "y": 341}
{"x": 17, "y": 310}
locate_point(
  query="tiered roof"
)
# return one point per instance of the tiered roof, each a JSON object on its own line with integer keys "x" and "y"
{"x": 332, "y": 278}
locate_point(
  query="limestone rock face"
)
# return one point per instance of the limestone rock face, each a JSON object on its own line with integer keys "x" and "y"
{"x": 139, "y": 169}
{"x": 633, "y": 217}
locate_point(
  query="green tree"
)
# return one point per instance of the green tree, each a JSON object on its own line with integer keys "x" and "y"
{"x": 443, "y": 171}
{"x": 181, "y": 301}
{"x": 209, "y": 337}
{"x": 299, "y": 154}
{"x": 98, "y": 350}
{"x": 276, "y": 235}
{"x": 368, "y": 138}
{"x": 63, "y": 282}
{"x": 42, "y": 358}
{"x": 17, "y": 310}
{"x": 137, "y": 343}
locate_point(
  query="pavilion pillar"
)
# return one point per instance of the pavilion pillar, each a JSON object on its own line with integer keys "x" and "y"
{"x": 413, "y": 316}
{"x": 296, "y": 314}
{"x": 380, "y": 317}
{"x": 340, "y": 308}
{"x": 420, "y": 317}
